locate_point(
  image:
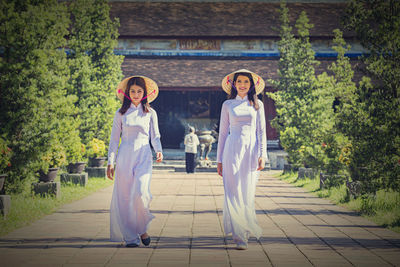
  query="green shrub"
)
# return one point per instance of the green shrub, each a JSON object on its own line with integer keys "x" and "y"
{"x": 372, "y": 123}
{"x": 55, "y": 157}
{"x": 95, "y": 69}
{"x": 95, "y": 148}
{"x": 35, "y": 109}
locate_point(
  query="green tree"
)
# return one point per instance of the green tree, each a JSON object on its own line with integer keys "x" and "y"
{"x": 335, "y": 97}
{"x": 295, "y": 119}
{"x": 373, "y": 123}
{"x": 35, "y": 110}
{"x": 95, "y": 69}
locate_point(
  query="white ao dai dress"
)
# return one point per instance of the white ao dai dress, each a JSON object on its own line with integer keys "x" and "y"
{"x": 129, "y": 210}
{"x": 242, "y": 140}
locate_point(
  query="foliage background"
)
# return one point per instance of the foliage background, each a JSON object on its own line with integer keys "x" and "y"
{"x": 328, "y": 121}
{"x": 51, "y": 102}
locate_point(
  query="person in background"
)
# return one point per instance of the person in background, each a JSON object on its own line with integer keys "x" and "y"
{"x": 191, "y": 142}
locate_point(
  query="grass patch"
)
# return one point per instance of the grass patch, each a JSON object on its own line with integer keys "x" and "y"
{"x": 26, "y": 208}
{"x": 383, "y": 209}
{"x": 311, "y": 185}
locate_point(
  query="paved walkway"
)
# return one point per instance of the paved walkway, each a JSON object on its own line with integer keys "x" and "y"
{"x": 299, "y": 229}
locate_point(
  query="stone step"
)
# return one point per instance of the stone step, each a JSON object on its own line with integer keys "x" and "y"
{"x": 180, "y": 166}
{"x": 167, "y": 167}
{"x": 179, "y": 163}
{"x": 198, "y": 169}
{"x": 170, "y": 162}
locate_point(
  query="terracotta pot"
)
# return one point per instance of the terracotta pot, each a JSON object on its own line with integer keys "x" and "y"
{"x": 76, "y": 167}
{"x": 49, "y": 176}
{"x": 97, "y": 162}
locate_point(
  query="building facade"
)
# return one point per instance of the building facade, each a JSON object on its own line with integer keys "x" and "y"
{"x": 188, "y": 47}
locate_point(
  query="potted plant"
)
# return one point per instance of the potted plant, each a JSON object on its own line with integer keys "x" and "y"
{"x": 52, "y": 159}
{"x": 75, "y": 158}
{"x": 5, "y": 157}
{"x": 95, "y": 150}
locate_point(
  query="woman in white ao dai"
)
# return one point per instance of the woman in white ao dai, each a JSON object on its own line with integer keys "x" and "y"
{"x": 129, "y": 211}
{"x": 241, "y": 153}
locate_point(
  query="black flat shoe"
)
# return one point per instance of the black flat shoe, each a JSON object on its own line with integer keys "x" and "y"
{"x": 131, "y": 245}
{"x": 146, "y": 241}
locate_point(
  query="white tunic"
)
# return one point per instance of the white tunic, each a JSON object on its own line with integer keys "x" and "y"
{"x": 129, "y": 211}
{"x": 242, "y": 140}
{"x": 191, "y": 142}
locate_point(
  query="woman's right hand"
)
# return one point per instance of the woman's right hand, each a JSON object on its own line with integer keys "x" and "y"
{"x": 110, "y": 172}
{"x": 219, "y": 168}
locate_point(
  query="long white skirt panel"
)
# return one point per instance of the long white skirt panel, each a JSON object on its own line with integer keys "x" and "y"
{"x": 129, "y": 211}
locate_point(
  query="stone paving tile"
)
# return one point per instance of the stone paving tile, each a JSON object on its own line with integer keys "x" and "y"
{"x": 335, "y": 226}
{"x": 82, "y": 265}
{"x": 299, "y": 229}
{"x": 139, "y": 256}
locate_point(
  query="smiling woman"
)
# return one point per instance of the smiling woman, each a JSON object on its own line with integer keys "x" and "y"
{"x": 242, "y": 153}
{"x": 134, "y": 123}
{"x": 135, "y": 93}
{"x": 242, "y": 85}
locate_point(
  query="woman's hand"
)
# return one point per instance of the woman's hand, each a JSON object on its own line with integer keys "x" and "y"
{"x": 261, "y": 164}
{"x": 219, "y": 168}
{"x": 159, "y": 156}
{"x": 110, "y": 172}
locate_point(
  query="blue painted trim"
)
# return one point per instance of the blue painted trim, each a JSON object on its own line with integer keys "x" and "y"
{"x": 222, "y": 54}
{"x": 214, "y": 54}
{"x": 196, "y": 53}
{"x": 334, "y": 54}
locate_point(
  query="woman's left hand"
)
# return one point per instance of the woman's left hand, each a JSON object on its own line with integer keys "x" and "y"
{"x": 159, "y": 156}
{"x": 261, "y": 164}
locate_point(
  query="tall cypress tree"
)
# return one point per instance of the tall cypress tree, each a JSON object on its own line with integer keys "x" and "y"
{"x": 36, "y": 114}
{"x": 373, "y": 124}
{"x": 95, "y": 69}
{"x": 334, "y": 100}
{"x": 295, "y": 89}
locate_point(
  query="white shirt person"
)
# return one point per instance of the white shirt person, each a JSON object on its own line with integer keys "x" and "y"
{"x": 241, "y": 153}
{"x": 191, "y": 142}
{"x": 135, "y": 123}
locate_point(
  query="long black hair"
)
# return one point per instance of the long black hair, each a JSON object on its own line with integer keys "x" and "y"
{"x": 139, "y": 81}
{"x": 251, "y": 94}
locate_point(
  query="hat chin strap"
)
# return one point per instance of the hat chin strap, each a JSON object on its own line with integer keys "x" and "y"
{"x": 120, "y": 91}
{"x": 148, "y": 95}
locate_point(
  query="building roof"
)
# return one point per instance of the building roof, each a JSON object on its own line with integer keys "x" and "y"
{"x": 255, "y": 19}
{"x": 205, "y": 73}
